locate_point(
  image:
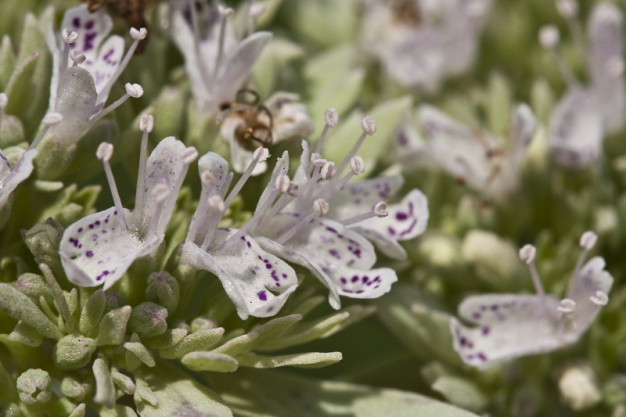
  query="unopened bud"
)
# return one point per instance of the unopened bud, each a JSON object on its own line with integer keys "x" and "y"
{"x": 148, "y": 319}
{"x": 34, "y": 386}
{"x": 73, "y": 352}
{"x": 163, "y": 289}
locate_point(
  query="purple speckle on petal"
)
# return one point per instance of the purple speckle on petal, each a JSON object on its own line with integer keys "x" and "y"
{"x": 485, "y": 330}
{"x": 262, "y": 295}
{"x": 89, "y": 254}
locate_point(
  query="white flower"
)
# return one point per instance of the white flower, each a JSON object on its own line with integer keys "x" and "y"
{"x": 86, "y": 64}
{"x": 507, "y": 326}
{"x": 281, "y": 117}
{"x": 100, "y": 247}
{"x": 217, "y": 62}
{"x": 587, "y": 113}
{"x": 294, "y": 220}
{"x": 475, "y": 157}
{"x": 422, "y": 42}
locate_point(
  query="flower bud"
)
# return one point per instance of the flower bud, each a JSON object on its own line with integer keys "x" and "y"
{"x": 148, "y": 319}
{"x": 11, "y": 131}
{"x": 43, "y": 242}
{"x": 73, "y": 352}
{"x": 33, "y": 387}
{"x": 74, "y": 389}
{"x": 163, "y": 289}
{"x": 112, "y": 328}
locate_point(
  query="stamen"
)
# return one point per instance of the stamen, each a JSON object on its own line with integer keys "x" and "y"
{"x": 225, "y": 12}
{"x": 160, "y": 193}
{"x": 320, "y": 207}
{"x": 146, "y": 124}
{"x": 104, "y": 153}
{"x": 255, "y": 11}
{"x": 132, "y": 90}
{"x": 138, "y": 35}
{"x": 527, "y": 254}
{"x": 600, "y": 298}
{"x": 379, "y": 210}
{"x": 332, "y": 118}
{"x": 369, "y": 128}
{"x": 259, "y": 155}
{"x": 549, "y": 39}
{"x": 216, "y": 208}
{"x": 77, "y": 57}
{"x": 587, "y": 242}
{"x": 566, "y": 307}
{"x": 68, "y": 37}
{"x": 49, "y": 119}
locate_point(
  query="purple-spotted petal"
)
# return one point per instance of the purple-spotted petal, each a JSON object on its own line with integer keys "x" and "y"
{"x": 592, "y": 277}
{"x": 11, "y": 178}
{"x": 359, "y": 197}
{"x": 166, "y": 165}
{"x": 99, "y": 248}
{"x": 575, "y": 133}
{"x": 257, "y": 282}
{"x": 103, "y": 65}
{"x": 508, "y": 326}
{"x": 406, "y": 220}
{"x": 91, "y": 28}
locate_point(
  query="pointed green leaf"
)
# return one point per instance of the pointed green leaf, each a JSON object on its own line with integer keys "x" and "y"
{"x": 141, "y": 352}
{"x": 25, "y": 334}
{"x": 200, "y": 340}
{"x": 299, "y": 360}
{"x": 305, "y": 332}
{"x": 92, "y": 313}
{"x": 113, "y": 326}
{"x": 21, "y": 307}
{"x": 8, "y": 61}
{"x": 18, "y": 87}
{"x": 460, "y": 392}
{"x": 105, "y": 390}
{"x": 209, "y": 361}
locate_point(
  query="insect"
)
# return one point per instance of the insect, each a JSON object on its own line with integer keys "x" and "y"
{"x": 257, "y": 119}
{"x": 407, "y": 11}
{"x": 129, "y": 10}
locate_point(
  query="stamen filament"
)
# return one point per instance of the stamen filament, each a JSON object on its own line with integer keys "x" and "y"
{"x": 369, "y": 128}
{"x": 379, "y": 210}
{"x": 260, "y": 155}
{"x": 146, "y": 124}
{"x": 217, "y": 208}
{"x": 104, "y": 153}
{"x": 320, "y": 207}
{"x": 132, "y": 90}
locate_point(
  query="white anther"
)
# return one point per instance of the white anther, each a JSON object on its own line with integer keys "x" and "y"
{"x": 216, "y": 203}
{"x": 331, "y": 117}
{"x": 567, "y": 8}
{"x": 3, "y": 100}
{"x": 282, "y": 183}
{"x": 599, "y": 298}
{"x": 208, "y": 179}
{"x": 77, "y": 57}
{"x": 615, "y": 66}
{"x": 261, "y": 154}
{"x": 320, "y": 207}
{"x": 527, "y": 254}
{"x": 134, "y": 90}
{"x": 549, "y": 36}
{"x": 138, "y": 34}
{"x": 357, "y": 165}
{"x": 317, "y": 160}
{"x": 368, "y": 125}
{"x": 256, "y": 10}
{"x": 567, "y": 306}
{"x": 293, "y": 189}
{"x": 189, "y": 155}
{"x": 105, "y": 151}
{"x": 146, "y": 123}
{"x": 328, "y": 170}
{"x": 52, "y": 119}
{"x": 380, "y": 209}
{"x": 69, "y": 36}
{"x": 160, "y": 192}
{"x": 225, "y": 11}
{"x": 588, "y": 240}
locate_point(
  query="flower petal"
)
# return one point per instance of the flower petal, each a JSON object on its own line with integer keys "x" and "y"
{"x": 575, "y": 133}
{"x": 103, "y": 67}
{"x": 359, "y": 197}
{"x": 99, "y": 249}
{"x": 280, "y": 168}
{"x": 591, "y": 278}
{"x": 510, "y": 326}
{"x": 257, "y": 282}
{"x": 302, "y": 173}
{"x": 92, "y": 28}
{"x": 166, "y": 166}
{"x": 406, "y": 220}
{"x": 11, "y": 178}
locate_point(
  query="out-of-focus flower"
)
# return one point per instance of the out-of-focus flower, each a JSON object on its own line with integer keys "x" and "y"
{"x": 217, "y": 61}
{"x": 475, "y": 157}
{"x": 423, "y": 42}
{"x": 100, "y": 247}
{"x": 508, "y": 326}
{"x": 586, "y": 113}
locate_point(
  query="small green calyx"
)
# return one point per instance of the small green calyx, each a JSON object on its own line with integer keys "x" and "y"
{"x": 33, "y": 387}
{"x": 148, "y": 319}
{"x": 74, "y": 352}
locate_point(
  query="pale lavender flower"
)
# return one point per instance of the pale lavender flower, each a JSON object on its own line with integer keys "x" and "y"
{"x": 100, "y": 247}
{"x": 507, "y": 326}
{"x": 587, "y": 113}
{"x": 422, "y": 42}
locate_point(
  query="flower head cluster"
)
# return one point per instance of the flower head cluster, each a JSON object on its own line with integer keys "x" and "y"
{"x": 317, "y": 219}
{"x": 421, "y": 42}
{"x": 507, "y": 326}
{"x": 586, "y": 113}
